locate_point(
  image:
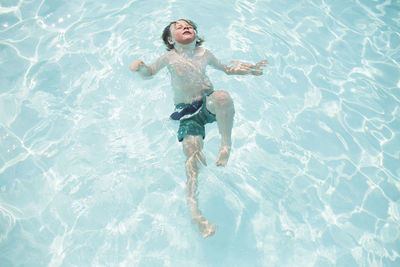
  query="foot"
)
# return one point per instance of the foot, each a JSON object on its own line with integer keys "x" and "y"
{"x": 206, "y": 228}
{"x": 223, "y": 155}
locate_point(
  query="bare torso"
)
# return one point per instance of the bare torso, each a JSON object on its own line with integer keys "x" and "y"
{"x": 188, "y": 75}
{"x": 187, "y": 66}
{"x": 188, "y": 72}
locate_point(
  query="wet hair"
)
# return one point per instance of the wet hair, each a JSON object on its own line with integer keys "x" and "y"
{"x": 167, "y": 34}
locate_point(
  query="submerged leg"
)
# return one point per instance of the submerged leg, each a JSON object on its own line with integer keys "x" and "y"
{"x": 192, "y": 146}
{"x": 220, "y": 103}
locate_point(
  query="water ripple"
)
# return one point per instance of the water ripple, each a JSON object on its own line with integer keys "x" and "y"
{"x": 91, "y": 172}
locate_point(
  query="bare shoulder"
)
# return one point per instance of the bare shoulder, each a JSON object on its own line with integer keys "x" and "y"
{"x": 201, "y": 52}
{"x": 204, "y": 50}
{"x": 167, "y": 56}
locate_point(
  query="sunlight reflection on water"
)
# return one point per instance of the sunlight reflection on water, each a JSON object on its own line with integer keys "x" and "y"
{"x": 91, "y": 172}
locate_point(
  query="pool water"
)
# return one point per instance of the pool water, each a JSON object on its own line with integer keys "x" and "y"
{"x": 91, "y": 172}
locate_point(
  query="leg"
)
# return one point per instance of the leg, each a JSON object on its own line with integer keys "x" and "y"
{"x": 192, "y": 146}
{"x": 220, "y": 103}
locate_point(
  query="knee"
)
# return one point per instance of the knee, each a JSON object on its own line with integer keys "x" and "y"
{"x": 191, "y": 159}
{"x": 223, "y": 99}
{"x": 192, "y": 144}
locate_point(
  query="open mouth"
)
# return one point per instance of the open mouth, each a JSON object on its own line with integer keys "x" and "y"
{"x": 187, "y": 32}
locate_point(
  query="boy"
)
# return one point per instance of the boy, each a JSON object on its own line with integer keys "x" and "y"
{"x": 196, "y": 102}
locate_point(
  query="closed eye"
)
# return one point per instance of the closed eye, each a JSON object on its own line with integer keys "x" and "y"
{"x": 179, "y": 27}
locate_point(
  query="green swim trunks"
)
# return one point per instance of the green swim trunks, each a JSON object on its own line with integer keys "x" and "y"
{"x": 194, "y": 125}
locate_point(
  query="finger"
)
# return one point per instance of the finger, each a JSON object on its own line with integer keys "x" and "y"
{"x": 256, "y": 68}
{"x": 262, "y": 63}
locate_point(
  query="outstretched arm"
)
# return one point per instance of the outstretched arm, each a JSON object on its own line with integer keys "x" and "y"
{"x": 140, "y": 67}
{"x": 147, "y": 71}
{"x": 242, "y": 68}
{"x": 237, "y": 67}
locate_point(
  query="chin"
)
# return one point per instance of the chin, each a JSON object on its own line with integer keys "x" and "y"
{"x": 188, "y": 41}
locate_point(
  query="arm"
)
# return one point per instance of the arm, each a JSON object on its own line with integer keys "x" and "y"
{"x": 147, "y": 71}
{"x": 237, "y": 67}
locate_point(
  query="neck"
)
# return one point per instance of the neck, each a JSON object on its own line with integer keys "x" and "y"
{"x": 185, "y": 48}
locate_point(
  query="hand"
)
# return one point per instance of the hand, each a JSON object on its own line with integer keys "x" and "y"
{"x": 257, "y": 69}
{"x": 135, "y": 65}
{"x": 237, "y": 67}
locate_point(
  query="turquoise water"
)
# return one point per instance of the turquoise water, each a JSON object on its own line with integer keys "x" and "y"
{"x": 91, "y": 173}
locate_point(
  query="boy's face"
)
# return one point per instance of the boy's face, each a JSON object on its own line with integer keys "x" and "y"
{"x": 183, "y": 32}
